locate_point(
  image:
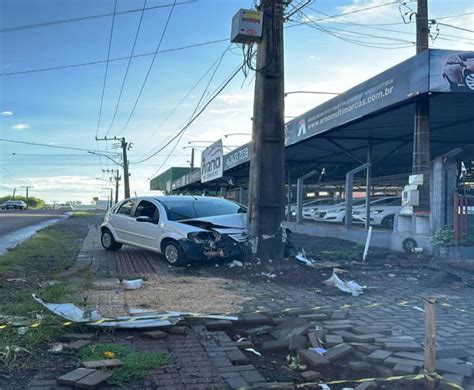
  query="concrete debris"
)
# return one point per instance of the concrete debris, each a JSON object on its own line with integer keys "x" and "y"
{"x": 236, "y": 263}
{"x": 351, "y": 286}
{"x": 131, "y": 284}
{"x": 253, "y": 351}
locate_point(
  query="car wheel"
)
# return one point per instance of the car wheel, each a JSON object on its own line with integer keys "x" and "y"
{"x": 469, "y": 81}
{"x": 108, "y": 241}
{"x": 388, "y": 221}
{"x": 173, "y": 253}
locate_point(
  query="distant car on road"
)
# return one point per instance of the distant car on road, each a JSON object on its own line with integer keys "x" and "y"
{"x": 459, "y": 71}
{"x": 14, "y": 205}
{"x": 181, "y": 228}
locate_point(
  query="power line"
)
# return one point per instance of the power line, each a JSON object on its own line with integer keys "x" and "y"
{"x": 195, "y": 109}
{"x": 235, "y": 73}
{"x": 456, "y": 27}
{"x": 106, "y": 69}
{"x": 128, "y": 67}
{"x": 455, "y": 16}
{"x": 80, "y": 19}
{"x": 114, "y": 59}
{"x": 171, "y": 113}
{"x": 45, "y": 145}
{"x": 148, "y": 71}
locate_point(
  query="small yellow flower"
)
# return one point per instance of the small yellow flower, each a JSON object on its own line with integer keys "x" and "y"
{"x": 109, "y": 355}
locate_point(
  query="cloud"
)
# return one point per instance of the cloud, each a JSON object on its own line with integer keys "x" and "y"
{"x": 21, "y": 126}
{"x": 6, "y": 113}
{"x": 235, "y": 98}
{"x": 374, "y": 10}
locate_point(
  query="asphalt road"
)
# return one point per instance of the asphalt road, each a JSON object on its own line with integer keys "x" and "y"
{"x": 11, "y": 220}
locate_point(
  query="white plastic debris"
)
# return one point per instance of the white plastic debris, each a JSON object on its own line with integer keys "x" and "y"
{"x": 324, "y": 386}
{"x": 72, "y": 313}
{"x": 236, "y": 263}
{"x": 253, "y": 351}
{"x": 22, "y": 330}
{"x": 354, "y": 288}
{"x": 56, "y": 347}
{"x": 268, "y": 275}
{"x": 302, "y": 257}
{"x": 319, "y": 350}
{"x": 131, "y": 284}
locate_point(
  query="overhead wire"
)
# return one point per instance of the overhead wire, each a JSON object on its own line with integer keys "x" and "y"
{"x": 113, "y": 59}
{"x": 149, "y": 70}
{"x": 105, "y": 79}
{"x": 198, "y": 114}
{"x": 80, "y": 19}
{"x": 188, "y": 93}
{"x": 195, "y": 109}
{"x": 44, "y": 145}
{"x": 455, "y": 27}
{"x": 128, "y": 67}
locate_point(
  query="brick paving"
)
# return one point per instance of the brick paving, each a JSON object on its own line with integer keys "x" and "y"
{"x": 394, "y": 302}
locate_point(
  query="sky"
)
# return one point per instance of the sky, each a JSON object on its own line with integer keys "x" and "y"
{"x": 69, "y": 107}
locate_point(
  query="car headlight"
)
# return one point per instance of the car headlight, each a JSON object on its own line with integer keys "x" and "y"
{"x": 203, "y": 237}
{"x": 375, "y": 212}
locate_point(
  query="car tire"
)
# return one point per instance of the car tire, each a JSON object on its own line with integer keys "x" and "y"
{"x": 469, "y": 81}
{"x": 173, "y": 253}
{"x": 388, "y": 221}
{"x": 108, "y": 241}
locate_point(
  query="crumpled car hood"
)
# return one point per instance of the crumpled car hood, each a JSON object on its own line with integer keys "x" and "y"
{"x": 233, "y": 225}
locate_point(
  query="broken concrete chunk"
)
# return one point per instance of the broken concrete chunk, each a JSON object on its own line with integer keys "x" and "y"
{"x": 260, "y": 330}
{"x": 311, "y": 375}
{"x": 451, "y": 353}
{"x": 298, "y": 342}
{"x": 314, "y": 316}
{"x": 404, "y": 347}
{"x": 77, "y": 336}
{"x": 276, "y": 345}
{"x": 313, "y": 340}
{"x": 409, "y": 355}
{"x": 360, "y": 366}
{"x": 155, "y": 334}
{"x": 371, "y": 329}
{"x": 177, "y": 329}
{"x": 253, "y": 319}
{"x": 237, "y": 357}
{"x": 312, "y": 358}
{"x": 339, "y": 315}
{"x": 403, "y": 369}
{"x": 219, "y": 325}
{"x": 450, "y": 368}
{"x": 332, "y": 328}
{"x": 366, "y": 348}
{"x": 338, "y": 352}
{"x": 367, "y": 386}
{"x": 78, "y": 344}
{"x": 93, "y": 380}
{"x": 379, "y": 356}
{"x": 73, "y": 376}
{"x": 333, "y": 340}
{"x": 392, "y": 361}
{"x": 106, "y": 363}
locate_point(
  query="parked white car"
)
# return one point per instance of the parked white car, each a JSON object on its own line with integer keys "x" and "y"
{"x": 309, "y": 207}
{"x": 382, "y": 212}
{"x": 181, "y": 228}
{"x": 14, "y": 205}
{"x": 335, "y": 213}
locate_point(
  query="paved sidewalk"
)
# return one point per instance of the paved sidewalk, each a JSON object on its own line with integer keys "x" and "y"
{"x": 394, "y": 302}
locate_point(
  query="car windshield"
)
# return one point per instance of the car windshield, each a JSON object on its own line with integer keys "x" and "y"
{"x": 179, "y": 209}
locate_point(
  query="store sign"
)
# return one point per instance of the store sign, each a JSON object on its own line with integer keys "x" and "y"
{"x": 452, "y": 71}
{"x": 212, "y": 162}
{"x": 237, "y": 156}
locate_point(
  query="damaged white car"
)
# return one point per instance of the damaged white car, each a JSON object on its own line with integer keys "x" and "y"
{"x": 181, "y": 228}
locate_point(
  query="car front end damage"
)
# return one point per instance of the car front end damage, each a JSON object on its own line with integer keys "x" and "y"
{"x": 213, "y": 241}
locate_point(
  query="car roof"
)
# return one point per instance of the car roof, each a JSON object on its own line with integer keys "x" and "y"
{"x": 165, "y": 198}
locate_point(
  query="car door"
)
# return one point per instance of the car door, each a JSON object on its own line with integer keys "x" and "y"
{"x": 145, "y": 234}
{"x": 121, "y": 220}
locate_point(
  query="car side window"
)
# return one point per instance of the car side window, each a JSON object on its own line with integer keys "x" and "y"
{"x": 126, "y": 207}
{"x": 146, "y": 209}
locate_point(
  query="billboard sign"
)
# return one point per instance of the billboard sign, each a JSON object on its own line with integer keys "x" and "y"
{"x": 452, "y": 71}
{"x": 212, "y": 162}
{"x": 393, "y": 86}
{"x": 237, "y": 156}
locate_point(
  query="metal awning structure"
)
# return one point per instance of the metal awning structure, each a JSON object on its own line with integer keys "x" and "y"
{"x": 379, "y": 113}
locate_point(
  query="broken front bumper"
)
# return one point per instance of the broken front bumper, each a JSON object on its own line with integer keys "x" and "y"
{"x": 226, "y": 247}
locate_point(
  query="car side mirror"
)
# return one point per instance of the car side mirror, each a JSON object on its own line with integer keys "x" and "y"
{"x": 145, "y": 219}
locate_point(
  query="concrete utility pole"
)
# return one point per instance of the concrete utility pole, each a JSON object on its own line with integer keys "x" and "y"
{"x": 125, "y": 147}
{"x": 126, "y": 176}
{"x": 192, "y": 158}
{"x": 267, "y": 163}
{"x": 117, "y": 179}
{"x": 421, "y": 136}
{"x": 27, "y": 188}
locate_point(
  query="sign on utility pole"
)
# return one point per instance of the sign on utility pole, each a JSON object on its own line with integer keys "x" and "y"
{"x": 212, "y": 162}
{"x": 267, "y": 162}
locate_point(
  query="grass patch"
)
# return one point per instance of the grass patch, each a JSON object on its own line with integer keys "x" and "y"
{"x": 83, "y": 214}
{"x": 136, "y": 365}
